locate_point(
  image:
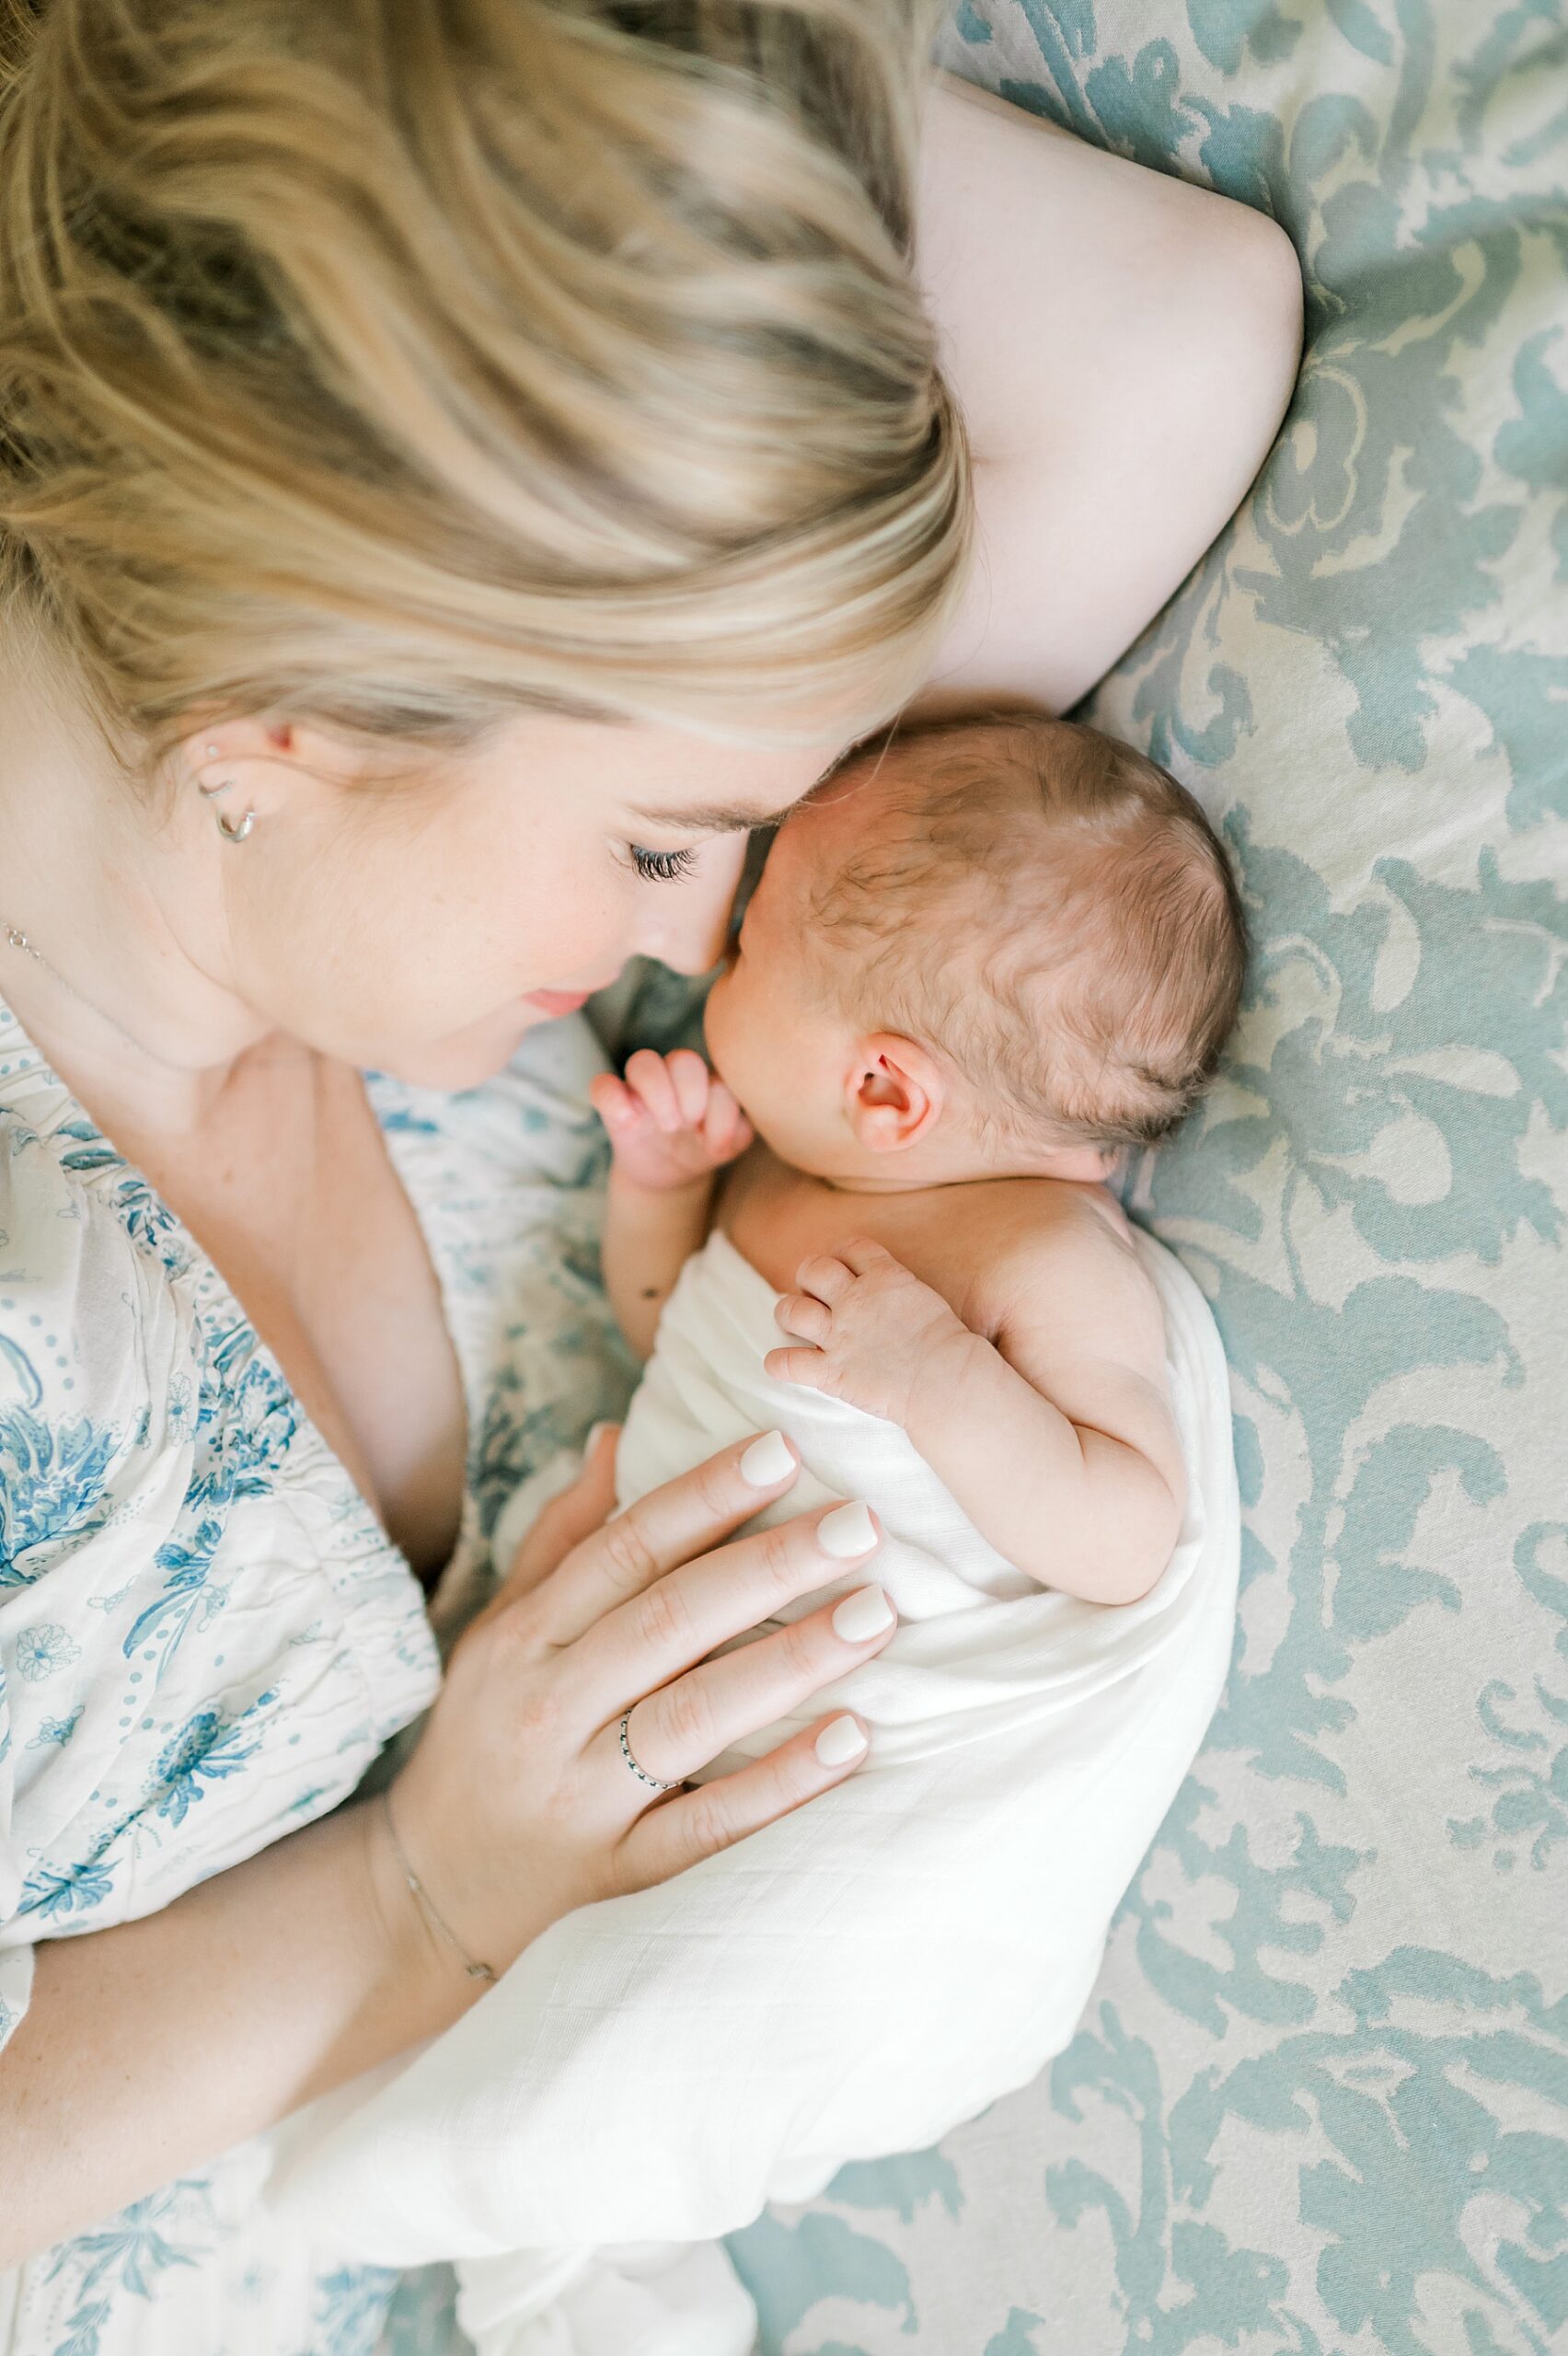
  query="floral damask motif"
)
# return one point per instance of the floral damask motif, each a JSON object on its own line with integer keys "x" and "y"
{"x": 1320, "y": 2101}
{"x": 1407, "y": 2091}
{"x": 1524, "y": 1773}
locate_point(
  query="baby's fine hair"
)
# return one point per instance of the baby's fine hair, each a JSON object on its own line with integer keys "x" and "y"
{"x": 1049, "y": 912}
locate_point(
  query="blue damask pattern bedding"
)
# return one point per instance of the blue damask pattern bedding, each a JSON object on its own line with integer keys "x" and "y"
{"x": 1319, "y": 2102}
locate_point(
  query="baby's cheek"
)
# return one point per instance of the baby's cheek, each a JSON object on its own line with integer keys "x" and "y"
{"x": 718, "y": 1033}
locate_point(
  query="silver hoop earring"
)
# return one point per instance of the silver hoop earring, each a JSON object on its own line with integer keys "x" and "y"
{"x": 229, "y": 831}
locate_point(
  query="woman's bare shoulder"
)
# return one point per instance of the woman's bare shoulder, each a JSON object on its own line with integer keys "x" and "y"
{"x": 1123, "y": 346}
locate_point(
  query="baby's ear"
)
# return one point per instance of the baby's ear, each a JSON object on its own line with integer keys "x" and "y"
{"x": 893, "y": 1093}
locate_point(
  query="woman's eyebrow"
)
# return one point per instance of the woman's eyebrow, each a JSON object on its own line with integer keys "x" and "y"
{"x": 714, "y": 818}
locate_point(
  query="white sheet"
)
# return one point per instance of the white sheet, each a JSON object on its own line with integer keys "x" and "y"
{"x": 854, "y": 1980}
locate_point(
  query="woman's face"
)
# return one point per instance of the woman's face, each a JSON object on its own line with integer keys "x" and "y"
{"x": 421, "y": 927}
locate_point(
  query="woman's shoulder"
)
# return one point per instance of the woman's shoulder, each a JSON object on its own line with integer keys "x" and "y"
{"x": 1123, "y": 345}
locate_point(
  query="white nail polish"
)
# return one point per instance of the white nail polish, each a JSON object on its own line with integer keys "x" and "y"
{"x": 839, "y": 1742}
{"x": 847, "y": 1529}
{"x": 595, "y": 1433}
{"x": 865, "y": 1614}
{"x": 767, "y": 1460}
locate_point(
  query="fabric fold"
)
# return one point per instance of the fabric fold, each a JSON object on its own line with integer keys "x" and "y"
{"x": 860, "y": 1976}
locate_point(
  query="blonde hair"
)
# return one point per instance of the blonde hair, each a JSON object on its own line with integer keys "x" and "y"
{"x": 402, "y": 362}
{"x": 1050, "y": 912}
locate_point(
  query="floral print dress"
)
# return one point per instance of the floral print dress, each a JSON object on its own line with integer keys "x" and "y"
{"x": 206, "y": 1639}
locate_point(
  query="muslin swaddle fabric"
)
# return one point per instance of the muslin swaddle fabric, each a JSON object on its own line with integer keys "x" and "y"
{"x": 856, "y": 1979}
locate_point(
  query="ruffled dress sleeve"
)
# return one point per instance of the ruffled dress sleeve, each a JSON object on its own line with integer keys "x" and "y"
{"x": 205, "y": 1638}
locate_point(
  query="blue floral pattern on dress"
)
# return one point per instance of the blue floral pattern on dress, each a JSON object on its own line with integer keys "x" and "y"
{"x": 197, "y": 1608}
{"x": 52, "y": 1477}
{"x": 43, "y": 1650}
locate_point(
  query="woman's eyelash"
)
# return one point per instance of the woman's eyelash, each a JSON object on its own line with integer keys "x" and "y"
{"x": 662, "y": 866}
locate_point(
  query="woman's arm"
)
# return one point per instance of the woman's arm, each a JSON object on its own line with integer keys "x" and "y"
{"x": 1123, "y": 347}
{"x": 150, "y": 2046}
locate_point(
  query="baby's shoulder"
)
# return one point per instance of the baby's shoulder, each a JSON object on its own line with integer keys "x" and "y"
{"x": 1052, "y": 1254}
{"x": 1027, "y": 1223}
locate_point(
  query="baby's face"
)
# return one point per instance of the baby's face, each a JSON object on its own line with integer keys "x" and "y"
{"x": 772, "y": 1035}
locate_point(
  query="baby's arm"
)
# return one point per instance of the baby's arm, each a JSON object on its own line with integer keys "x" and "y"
{"x": 672, "y": 1126}
{"x": 1057, "y": 1439}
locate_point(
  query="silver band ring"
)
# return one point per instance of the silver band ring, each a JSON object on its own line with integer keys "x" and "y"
{"x": 641, "y": 1773}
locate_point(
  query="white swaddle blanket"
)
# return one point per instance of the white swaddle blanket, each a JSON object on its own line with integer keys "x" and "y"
{"x": 853, "y": 1981}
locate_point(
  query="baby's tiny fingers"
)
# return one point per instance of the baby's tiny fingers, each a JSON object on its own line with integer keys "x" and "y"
{"x": 725, "y": 1129}
{"x": 647, "y": 1076}
{"x": 862, "y": 1255}
{"x": 805, "y": 1368}
{"x": 826, "y": 1276}
{"x": 799, "y": 1315}
{"x": 620, "y": 1111}
{"x": 723, "y": 1126}
{"x": 691, "y": 1079}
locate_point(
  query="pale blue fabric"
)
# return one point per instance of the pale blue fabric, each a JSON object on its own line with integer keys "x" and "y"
{"x": 1319, "y": 2100}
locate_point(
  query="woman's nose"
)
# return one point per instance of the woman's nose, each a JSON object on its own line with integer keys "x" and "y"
{"x": 691, "y": 933}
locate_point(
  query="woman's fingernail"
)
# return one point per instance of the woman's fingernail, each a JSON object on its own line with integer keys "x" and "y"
{"x": 595, "y": 1433}
{"x": 847, "y": 1529}
{"x": 767, "y": 1460}
{"x": 839, "y": 1742}
{"x": 865, "y": 1614}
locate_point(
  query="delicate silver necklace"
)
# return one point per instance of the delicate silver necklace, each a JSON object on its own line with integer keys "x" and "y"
{"x": 19, "y": 940}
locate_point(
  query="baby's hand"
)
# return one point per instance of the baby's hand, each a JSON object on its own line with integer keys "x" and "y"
{"x": 875, "y": 1332}
{"x": 669, "y": 1121}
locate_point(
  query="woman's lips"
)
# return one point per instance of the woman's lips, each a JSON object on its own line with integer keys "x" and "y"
{"x": 558, "y": 1002}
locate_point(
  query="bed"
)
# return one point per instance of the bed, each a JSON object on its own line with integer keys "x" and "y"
{"x": 1318, "y": 2102}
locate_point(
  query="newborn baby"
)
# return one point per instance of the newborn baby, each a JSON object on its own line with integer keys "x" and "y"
{"x": 978, "y": 965}
{"x": 974, "y": 969}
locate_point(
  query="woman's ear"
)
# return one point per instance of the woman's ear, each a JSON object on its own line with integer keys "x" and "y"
{"x": 266, "y": 762}
{"x": 893, "y": 1093}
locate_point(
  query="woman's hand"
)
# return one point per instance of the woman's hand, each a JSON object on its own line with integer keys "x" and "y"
{"x": 519, "y": 1804}
{"x": 150, "y": 2046}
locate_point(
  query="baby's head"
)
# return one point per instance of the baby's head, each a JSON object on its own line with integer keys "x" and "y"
{"x": 999, "y": 947}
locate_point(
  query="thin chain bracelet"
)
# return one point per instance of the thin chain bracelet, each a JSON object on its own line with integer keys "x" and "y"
{"x": 422, "y": 1899}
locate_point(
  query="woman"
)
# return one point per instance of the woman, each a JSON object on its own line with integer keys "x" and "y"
{"x": 461, "y": 463}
